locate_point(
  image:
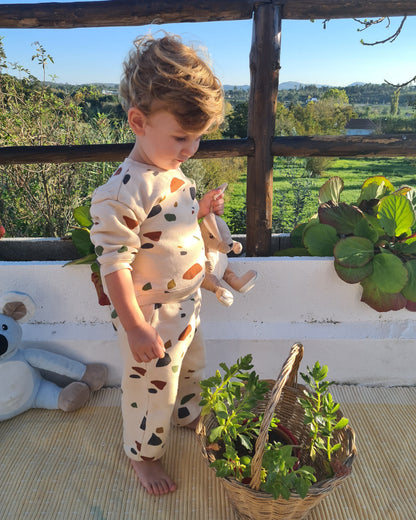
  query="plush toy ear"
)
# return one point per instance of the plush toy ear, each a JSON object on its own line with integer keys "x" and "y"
{"x": 223, "y": 231}
{"x": 17, "y": 305}
{"x": 210, "y": 223}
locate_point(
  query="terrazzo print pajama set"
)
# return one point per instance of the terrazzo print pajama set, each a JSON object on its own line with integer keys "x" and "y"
{"x": 146, "y": 221}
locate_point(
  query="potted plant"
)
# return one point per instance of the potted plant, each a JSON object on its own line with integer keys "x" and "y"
{"x": 82, "y": 241}
{"x": 240, "y": 412}
{"x": 373, "y": 241}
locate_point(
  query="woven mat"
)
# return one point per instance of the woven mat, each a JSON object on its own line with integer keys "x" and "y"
{"x": 71, "y": 466}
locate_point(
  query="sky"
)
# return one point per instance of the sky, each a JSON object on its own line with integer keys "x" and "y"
{"x": 310, "y": 53}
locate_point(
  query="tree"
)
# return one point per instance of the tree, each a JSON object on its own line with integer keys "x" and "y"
{"x": 336, "y": 96}
{"x": 323, "y": 117}
{"x": 394, "y": 105}
{"x": 237, "y": 121}
{"x": 38, "y": 199}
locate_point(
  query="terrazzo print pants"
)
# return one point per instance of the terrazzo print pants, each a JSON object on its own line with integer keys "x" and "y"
{"x": 164, "y": 391}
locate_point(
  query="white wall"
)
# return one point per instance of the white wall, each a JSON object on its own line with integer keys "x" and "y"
{"x": 299, "y": 299}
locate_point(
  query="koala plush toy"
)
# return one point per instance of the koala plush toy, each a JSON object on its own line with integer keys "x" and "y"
{"x": 21, "y": 384}
{"x": 218, "y": 243}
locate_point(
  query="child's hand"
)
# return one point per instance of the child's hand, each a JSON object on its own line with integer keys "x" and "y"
{"x": 212, "y": 202}
{"x": 145, "y": 343}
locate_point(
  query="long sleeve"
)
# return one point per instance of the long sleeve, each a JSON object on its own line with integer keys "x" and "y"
{"x": 115, "y": 234}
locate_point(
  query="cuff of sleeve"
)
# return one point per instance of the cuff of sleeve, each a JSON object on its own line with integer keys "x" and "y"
{"x": 106, "y": 269}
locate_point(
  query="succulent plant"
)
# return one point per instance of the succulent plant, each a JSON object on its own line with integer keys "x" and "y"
{"x": 373, "y": 242}
{"x": 82, "y": 241}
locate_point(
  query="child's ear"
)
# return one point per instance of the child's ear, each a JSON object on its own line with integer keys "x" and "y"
{"x": 137, "y": 120}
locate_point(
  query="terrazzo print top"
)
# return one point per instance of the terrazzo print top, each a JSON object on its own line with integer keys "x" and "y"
{"x": 145, "y": 220}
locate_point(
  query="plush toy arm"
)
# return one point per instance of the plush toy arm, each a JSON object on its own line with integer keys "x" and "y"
{"x": 237, "y": 247}
{"x": 241, "y": 283}
{"x": 54, "y": 363}
{"x": 211, "y": 283}
{"x": 210, "y": 261}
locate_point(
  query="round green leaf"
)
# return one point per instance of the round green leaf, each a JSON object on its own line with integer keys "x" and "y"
{"x": 343, "y": 217}
{"x": 406, "y": 248}
{"x": 311, "y": 222}
{"x": 292, "y": 251}
{"x": 331, "y": 190}
{"x": 396, "y": 214}
{"x": 297, "y": 234}
{"x": 354, "y": 251}
{"x": 375, "y": 188}
{"x": 353, "y": 274}
{"x": 379, "y": 180}
{"x": 82, "y": 241}
{"x": 375, "y": 223}
{"x": 320, "y": 240}
{"x": 411, "y": 306}
{"x": 389, "y": 273}
{"x": 82, "y": 216}
{"x": 379, "y": 300}
{"x": 365, "y": 229}
{"x": 409, "y": 290}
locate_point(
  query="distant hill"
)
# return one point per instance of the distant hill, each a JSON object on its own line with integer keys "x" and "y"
{"x": 359, "y": 93}
{"x": 238, "y": 87}
{"x": 289, "y": 85}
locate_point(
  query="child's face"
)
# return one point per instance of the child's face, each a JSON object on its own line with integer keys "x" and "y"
{"x": 162, "y": 142}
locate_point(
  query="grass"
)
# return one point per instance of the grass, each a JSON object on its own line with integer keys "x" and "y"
{"x": 400, "y": 171}
{"x": 296, "y": 194}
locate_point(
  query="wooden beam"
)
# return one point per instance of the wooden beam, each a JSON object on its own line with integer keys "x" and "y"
{"x": 327, "y": 9}
{"x": 113, "y": 152}
{"x": 402, "y": 145}
{"x": 107, "y": 13}
{"x": 264, "y": 70}
{"x": 346, "y": 146}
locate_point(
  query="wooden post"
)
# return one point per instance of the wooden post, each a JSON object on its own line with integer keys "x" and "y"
{"x": 264, "y": 70}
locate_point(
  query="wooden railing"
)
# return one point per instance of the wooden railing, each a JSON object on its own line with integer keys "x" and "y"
{"x": 261, "y": 145}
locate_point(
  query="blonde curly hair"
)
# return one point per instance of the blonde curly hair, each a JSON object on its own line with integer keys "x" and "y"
{"x": 164, "y": 74}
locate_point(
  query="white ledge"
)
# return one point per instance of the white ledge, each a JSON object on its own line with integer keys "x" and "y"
{"x": 294, "y": 299}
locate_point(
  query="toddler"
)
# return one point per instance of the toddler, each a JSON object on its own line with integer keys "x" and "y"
{"x": 150, "y": 249}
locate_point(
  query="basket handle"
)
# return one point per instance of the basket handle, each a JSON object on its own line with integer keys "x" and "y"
{"x": 288, "y": 375}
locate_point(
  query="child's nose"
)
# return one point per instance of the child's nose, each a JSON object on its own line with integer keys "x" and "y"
{"x": 191, "y": 148}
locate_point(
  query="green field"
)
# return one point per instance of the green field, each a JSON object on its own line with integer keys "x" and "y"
{"x": 296, "y": 193}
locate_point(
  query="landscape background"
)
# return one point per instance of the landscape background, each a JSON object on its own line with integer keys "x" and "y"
{"x": 38, "y": 200}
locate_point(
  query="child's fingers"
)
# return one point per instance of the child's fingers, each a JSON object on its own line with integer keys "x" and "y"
{"x": 217, "y": 205}
{"x": 159, "y": 349}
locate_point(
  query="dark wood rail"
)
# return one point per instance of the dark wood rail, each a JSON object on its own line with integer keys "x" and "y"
{"x": 345, "y": 146}
{"x": 107, "y": 13}
{"x": 299, "y": 146}
{"x": 113, "y": 152}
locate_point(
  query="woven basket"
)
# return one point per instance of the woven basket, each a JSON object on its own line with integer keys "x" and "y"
{"x": 248, "y": 502}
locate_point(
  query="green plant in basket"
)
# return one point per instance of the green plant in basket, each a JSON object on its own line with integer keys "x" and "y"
{"x": 321, "y": 414}
{"x": 373, "y": 242}
{"x": 232, "y": 397}
{"x": 281, "y": 475}
{"x": 278, "y": 478}
{"x": 82, "y": 241}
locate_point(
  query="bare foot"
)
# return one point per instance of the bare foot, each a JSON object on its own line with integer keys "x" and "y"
{"x": 153, "y": 477}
